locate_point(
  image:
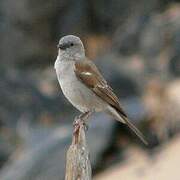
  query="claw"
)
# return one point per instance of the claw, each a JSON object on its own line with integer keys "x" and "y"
{"x": 79, "y": 121}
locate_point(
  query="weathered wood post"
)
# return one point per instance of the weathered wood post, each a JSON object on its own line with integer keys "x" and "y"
{"x": 78, "y": 166}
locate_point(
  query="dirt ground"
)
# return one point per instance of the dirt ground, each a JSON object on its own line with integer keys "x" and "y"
{"x": 164, "y": 165}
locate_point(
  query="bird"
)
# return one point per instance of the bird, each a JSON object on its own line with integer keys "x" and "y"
{"x": 83, "y": 84}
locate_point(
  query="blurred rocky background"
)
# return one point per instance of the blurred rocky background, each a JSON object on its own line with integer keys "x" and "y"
{"x": 136, "y": 45}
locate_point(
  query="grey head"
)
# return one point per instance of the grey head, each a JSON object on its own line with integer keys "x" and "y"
{"x": 71, "y": 47}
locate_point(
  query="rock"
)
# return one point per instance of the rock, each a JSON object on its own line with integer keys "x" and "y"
{"x": 162, "y": 107}
{"x": 140, "y": 166}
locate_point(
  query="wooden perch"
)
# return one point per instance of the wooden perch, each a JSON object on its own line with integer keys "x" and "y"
{"x": 78, "y": 166}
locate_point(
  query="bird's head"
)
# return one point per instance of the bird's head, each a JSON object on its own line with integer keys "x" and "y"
{"x": 71, "y": 46}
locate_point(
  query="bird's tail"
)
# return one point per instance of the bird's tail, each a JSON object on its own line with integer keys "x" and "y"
{"x": 125, "y": 120}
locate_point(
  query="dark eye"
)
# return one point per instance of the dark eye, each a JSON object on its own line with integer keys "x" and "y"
{"x": 71, "y": 44}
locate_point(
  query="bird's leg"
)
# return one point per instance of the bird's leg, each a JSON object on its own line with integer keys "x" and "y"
{"x": 85, "y": 115}
{"x": 81, "y": 120}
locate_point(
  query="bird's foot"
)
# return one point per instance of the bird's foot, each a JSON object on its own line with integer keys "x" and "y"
{"x": 80, "y": 120}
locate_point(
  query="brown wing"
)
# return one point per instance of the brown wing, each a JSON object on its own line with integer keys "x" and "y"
{"x": 88, "y": 73}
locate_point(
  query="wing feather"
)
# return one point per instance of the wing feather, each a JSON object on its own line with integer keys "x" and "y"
{"x": 88, "y": 73}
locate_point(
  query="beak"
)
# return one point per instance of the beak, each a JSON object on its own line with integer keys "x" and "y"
{"x": 62, "y": 46}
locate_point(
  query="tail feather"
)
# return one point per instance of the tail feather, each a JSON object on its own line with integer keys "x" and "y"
{"x": 125, "y": 120}
{"x": 135, "y": 130}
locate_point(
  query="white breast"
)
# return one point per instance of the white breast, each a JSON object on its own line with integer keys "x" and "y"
{"x": 74, "y": 90}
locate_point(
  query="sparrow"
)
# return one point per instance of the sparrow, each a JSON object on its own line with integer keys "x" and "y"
{"x": 84, "y": 86}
